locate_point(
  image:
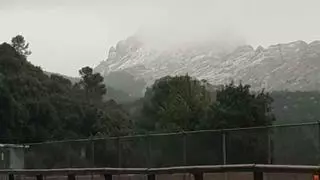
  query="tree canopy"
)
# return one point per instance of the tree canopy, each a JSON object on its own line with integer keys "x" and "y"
{"x": 20, "y": 45}
{"x": 185, "y": 103}
{"x": 36, "y": 107}
{"x": 237, "y": 107}
{"x": 92, "y": 83}
{"x": 182, "y": 103}
{"x": 175, "y": 103}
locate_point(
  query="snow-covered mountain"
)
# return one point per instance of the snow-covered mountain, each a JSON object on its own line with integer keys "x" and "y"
{"x": 291, "y": 66}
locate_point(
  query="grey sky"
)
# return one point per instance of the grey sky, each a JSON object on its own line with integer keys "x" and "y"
{"x": 66, "y": 35}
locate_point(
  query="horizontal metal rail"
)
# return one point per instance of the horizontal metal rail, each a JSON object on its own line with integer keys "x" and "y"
{"x": 177, "y": 133}
{"x": 197, "y": 171}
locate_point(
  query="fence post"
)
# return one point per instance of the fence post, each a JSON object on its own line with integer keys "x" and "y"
{"x": 151, "y": 177}
{"x": 119, "y": 151}
{"x": 11, "y": 176}
{"x": 184, "y": 148}
{"x": 92, "y": 152}
{"x": 108, "y": 177}
{"x": 257, "y": 175}
{"x": 39, "y": 177}
{"x": 198, "y": 176}
{"x": 224, "y": 147}
{"x": 270, "y": 154}
{"x": 71, "y": 177}
{"x": 148, "y": 151}
{"x": 69, "y": 149}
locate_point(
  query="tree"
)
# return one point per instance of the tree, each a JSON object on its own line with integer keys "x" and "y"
{"x": 175, "y": 103}
{"x": 20, "y": 45}
{"x": 237, "y": 107}
{"x": 183, "y": 103}
{"x": 92, "y": 83}
{"x": 35, "y": 107}
{"x": 172, "y": 104}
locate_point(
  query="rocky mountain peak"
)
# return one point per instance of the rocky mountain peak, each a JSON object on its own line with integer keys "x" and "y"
{"x": 112, "y": 53}
{"x": 286, "y": 66}
{"x": 259, "y": 50}
{"x": 244, "y": 49}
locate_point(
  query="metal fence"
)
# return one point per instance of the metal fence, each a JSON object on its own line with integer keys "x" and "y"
{"x": 217, "y": 172}
{"x": 283, "y": 144}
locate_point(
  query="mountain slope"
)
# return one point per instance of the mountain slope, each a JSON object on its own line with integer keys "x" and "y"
{"x": 292, "y": 66}
{"x": 72, "y": 79}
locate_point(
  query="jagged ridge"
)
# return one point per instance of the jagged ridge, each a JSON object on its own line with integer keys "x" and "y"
{"x": 291, "y": 66}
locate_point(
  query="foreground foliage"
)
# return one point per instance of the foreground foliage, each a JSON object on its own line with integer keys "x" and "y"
{"x": 36, "y": 107}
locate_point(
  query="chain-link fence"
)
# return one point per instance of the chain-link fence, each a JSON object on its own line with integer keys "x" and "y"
{"x": 285, "y": 144}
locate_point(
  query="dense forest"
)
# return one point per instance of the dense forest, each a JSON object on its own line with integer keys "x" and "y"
{"x": 37, "y": 106}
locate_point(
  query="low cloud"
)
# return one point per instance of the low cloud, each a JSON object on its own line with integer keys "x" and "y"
{"x": 167, "y": 30}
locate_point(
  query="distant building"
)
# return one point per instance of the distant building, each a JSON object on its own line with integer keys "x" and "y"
{"x": 12, "y": 156}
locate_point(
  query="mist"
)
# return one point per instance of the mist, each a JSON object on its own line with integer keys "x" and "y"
{"x": 176, "y": 35}
{"x": 172, "y": 29}
{"x": 81, "y": 32}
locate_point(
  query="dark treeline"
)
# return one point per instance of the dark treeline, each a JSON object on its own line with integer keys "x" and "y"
{"x": 36, "y": 107}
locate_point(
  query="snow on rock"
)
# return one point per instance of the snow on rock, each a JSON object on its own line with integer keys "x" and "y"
{"x": 291, "y": 66}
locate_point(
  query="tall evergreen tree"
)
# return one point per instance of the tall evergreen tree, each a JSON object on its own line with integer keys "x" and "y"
{"x": 92, "y": 83}
{"x": 20, "y": 45}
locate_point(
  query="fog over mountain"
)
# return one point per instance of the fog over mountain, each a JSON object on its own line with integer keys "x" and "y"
{"x": 286, "y": 66}
{"x": 176, "y": 33}
{"x": 79, "y": 33}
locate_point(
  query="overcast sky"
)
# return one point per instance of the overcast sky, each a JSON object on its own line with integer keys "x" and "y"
{"x": 66, "y": 35}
